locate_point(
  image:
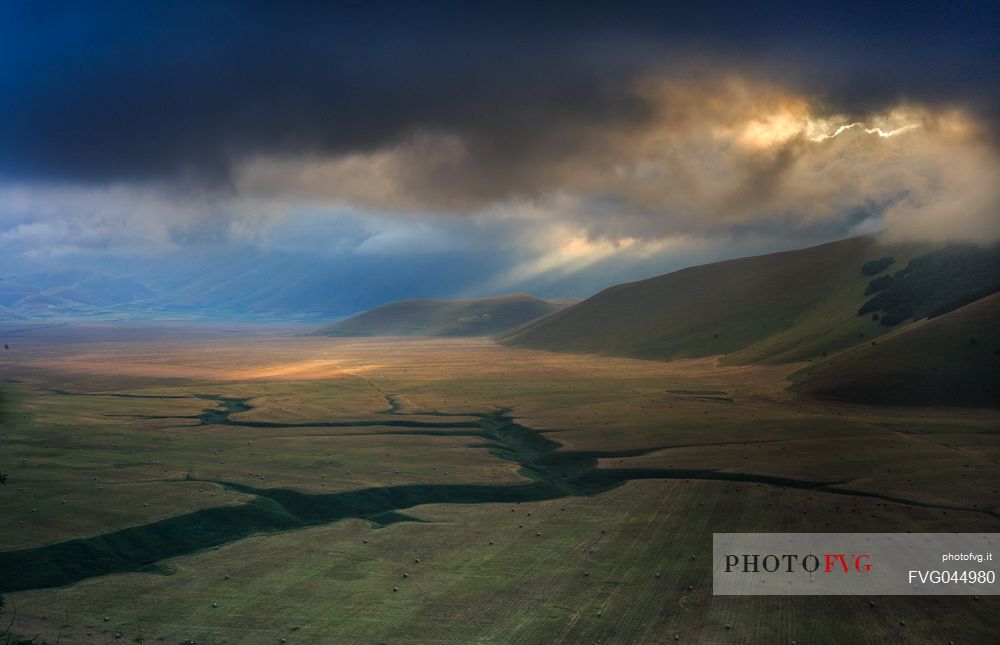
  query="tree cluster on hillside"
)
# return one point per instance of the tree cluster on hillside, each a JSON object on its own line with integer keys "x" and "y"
{"x": 934, "y": 284}
{"x": 878, "y": 284}
{"x": 875, "y": 267}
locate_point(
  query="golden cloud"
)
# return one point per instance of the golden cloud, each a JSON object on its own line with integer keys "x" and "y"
{"x": 702, "y": 155}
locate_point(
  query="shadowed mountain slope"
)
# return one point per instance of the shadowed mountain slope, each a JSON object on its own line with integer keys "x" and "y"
{"x": 953, "y": 359}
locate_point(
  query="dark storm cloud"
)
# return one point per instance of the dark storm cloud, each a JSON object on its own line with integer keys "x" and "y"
{"x": 121, "y": 91}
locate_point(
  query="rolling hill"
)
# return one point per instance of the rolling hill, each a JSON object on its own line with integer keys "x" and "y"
{"x": 776, "y": 308}
{"x": 242, "y": 283}
{"x": 953, "y": 359}
{"x": 483, "y": 317}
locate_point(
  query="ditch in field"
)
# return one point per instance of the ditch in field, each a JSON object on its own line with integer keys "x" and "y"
{"x": 550, "y": 474}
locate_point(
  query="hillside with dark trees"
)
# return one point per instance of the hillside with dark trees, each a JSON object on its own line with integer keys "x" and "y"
{"x": 933, "y": 284}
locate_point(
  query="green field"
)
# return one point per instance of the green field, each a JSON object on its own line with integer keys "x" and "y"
{"x": 547, "y": 497}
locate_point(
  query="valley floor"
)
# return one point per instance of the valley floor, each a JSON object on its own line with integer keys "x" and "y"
{"x": 237, "y": 486}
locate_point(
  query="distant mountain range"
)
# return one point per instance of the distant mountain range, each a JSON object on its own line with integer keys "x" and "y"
{"x": 246, "y": 283}
{"x": 482, "y": 317}
{"x": 67, "y": 293}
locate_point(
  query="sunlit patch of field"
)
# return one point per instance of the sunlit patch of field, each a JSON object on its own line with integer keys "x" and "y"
{"x": 93, "y": 447}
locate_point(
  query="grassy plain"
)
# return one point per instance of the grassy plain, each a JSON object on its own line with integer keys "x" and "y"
{"x": 109, "y": 430}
